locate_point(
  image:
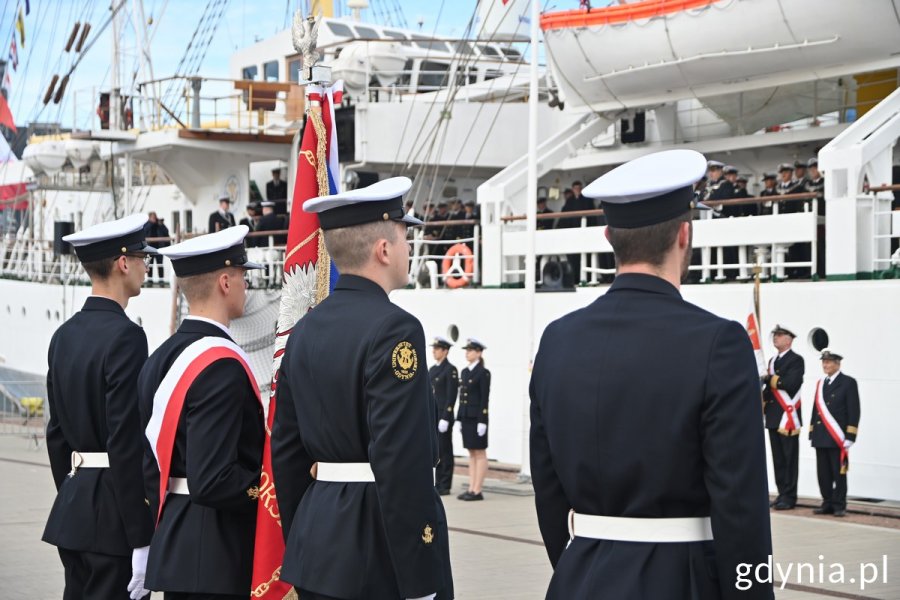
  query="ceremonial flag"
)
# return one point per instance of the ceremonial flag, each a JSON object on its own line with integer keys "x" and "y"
{"x": 308, "y": 279}
{"x": 20, "y": 26}
{"x": 753, "y": 332}
{"x": 14, "y": 54}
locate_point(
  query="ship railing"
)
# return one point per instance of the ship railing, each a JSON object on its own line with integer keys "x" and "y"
{"x": 725, "y": 248}
{"x": 23, "y": 417}
{"x": 885, "y": 229}
{"x": 435, "y": 262}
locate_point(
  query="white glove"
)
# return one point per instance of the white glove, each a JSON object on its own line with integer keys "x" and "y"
{"x": 847, "y": 443}
{"x": 431, "y": 597}
{"x": 443, "y": 425}
{"x": 482, "y": 429}
{"x": 458, "y": 425}
{"x": 138, "y": 571}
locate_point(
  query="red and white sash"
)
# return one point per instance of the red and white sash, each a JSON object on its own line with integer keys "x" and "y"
{"x": 168, "y": 401}
{"x": 790, "y": 406}
{"x": 831, "y": 424}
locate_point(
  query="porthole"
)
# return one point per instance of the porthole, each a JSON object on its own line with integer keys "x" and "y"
{"x": 453, "y": 333}
{"x": 818, "y": 338}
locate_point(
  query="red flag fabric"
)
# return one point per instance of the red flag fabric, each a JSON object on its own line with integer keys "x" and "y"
{"x": 307, "y": 278}
{"x": 6, "y": 117}
{"x": 753, "y": 332}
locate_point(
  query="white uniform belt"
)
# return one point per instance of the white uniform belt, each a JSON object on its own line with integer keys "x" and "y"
{"x": 345, "y": 472}
{"x": 178, "y": 485}
{"x": 628, "y": 529}
{"x": 89, "y": 460}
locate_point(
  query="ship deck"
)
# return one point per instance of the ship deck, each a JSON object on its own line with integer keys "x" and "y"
{"x": 495, "y": 545}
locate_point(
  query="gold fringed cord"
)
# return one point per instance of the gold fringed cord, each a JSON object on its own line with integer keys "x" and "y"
{"x": 323, "y": 264}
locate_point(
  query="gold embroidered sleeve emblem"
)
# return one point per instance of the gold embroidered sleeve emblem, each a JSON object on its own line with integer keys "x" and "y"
{"x": 404, "y": 361}
{"x": 427, "y": 534}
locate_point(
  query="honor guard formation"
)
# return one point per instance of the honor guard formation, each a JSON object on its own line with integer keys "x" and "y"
{"x": 646, "y": 487}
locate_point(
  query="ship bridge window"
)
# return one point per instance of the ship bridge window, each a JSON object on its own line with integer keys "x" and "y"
{"x": 512, "y": 54}
{"x": 406, "y": 76}
{"x": 488, "y": 50}
{"x": 433, "y": 75}
{"x": 293, "y": 66}
{"x": 492, "y": 74}
{"x": 464, "y": 48}
{"x": 396, "y": 35}
{"x": 270, "y": 71}
{"x": 340, "y": 30}
{"x": 249, "y": 72}
{"x": 367, "y": 33}
{"x": 461, "y": 78}
{"x": 428, "y": 43}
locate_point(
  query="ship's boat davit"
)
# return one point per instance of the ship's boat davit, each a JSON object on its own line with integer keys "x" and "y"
{"x": 760, "y": 61}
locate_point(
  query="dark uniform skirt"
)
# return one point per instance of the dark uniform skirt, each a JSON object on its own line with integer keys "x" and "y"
{"x": 471, "y": 439}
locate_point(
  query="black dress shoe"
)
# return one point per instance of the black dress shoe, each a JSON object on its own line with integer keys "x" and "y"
{"x": 773, "y": 503}
{"x": 463, "y": 496}
{"x": 823, "y": 510}
{"x": 472, "y": 497}
{"x": 840, "y": 512}
{"x": 784, "y": 506}
{"x": 443, "y": 492}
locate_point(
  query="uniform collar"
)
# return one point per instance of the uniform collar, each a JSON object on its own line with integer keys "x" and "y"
{"x": 645, "y": 283}
{"x": 211, "y": 322}
{"x": 205, "y": 327}
{"x": 830, "y": 378}
{"x": 359, "y": 284}
{"x": 102, "y": 303}
{"x": 781, "y": 355}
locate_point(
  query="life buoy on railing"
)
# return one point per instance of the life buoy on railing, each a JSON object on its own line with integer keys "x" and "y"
{"x": 456, "y": 276}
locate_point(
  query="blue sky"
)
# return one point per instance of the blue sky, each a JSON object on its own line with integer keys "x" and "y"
{"x": 48, "y": 25}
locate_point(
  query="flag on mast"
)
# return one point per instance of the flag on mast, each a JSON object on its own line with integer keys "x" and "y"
{"x": 308, "y": 279}
{"x": 753, "y": 332}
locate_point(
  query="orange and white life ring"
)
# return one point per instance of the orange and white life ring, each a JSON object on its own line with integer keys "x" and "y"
{"x": 455, "y": 275}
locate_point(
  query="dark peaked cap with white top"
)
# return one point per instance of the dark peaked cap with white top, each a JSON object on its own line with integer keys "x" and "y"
{"x": 210, "y": 252}
{"x": 651, "y": 189}
{"x": 111, "y": 239}
{"x": 381, "y": 201}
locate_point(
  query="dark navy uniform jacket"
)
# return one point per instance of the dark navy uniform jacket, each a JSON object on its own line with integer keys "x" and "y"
{"x": 204, "y": 541}
{"x": 841, "y": 398}
{"x": 445, "y": 383}
{"x": 223, "y": 222}
{"x": 788, "y": 378}
{"x": 646, "y": 406}
{"x": 353, "y": 387}
{"x": 474, "y": 393}
{"x": 94, "y": 361}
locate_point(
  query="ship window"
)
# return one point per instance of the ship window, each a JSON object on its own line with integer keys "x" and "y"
{"x": 488, "y": 50}
{"x": 453, "y": 333}
{"x": 430, "y": 44}
{"x": 818, "y": 338}
{"x": 464, "y": 48}
{"x": 406, "y": 76}
{"x": 367, "y": 32}
{"x": 492, "y": 74}
{"x": 270, "y": 71}
{"x": 511, "y": 53}
{"x": 432, "y": 75}
{"x": 340, "y": 30}
{"x": 461, "y": 78}
{"x": 396, "y": 35}
{"x": 294, "y": 66}
{"x": 249, "y": 72}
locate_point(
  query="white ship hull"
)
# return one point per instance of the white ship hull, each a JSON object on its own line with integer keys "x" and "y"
{"x": 860, "y": 318}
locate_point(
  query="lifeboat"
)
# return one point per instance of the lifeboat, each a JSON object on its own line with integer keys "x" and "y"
{"x": 45, "y": 157}
{"x": 359, "y": 61}
{"x": 653, "y": 51}
{"x": 79, "y": 152}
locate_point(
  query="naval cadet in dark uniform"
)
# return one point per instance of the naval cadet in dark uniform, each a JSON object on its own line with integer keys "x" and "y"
{"x": 222, "y": 218}
{"x": 445, "y": 383}
{"x": 649, "y": 474}
{"x": 355, "y": 399}
{"x": 474, "y": 395}
{"x": 781, "y": 406}
{"x": 834, "y": 433}
{"x": 770, "y": 181}
{"x": 100, "y": 522}
{"x": 203, "y": 544}
{"x": 276, "y": 191}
